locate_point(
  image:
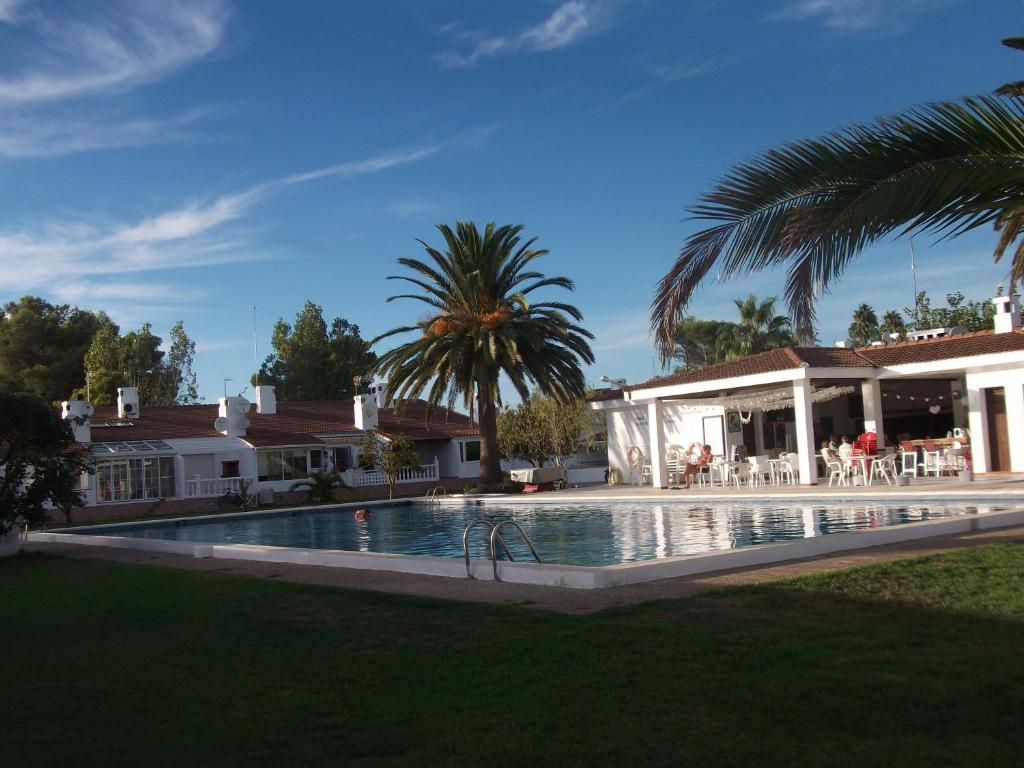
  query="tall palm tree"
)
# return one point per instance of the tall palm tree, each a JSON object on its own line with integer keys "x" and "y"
{"x": 813, "y": 205}
{"x": 758, "y": 330}
{"x": 482, "y": 324}
{"x": 864, "y": 327}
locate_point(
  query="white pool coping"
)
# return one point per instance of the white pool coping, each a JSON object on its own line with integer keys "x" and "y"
{"x": 544, "y": 574}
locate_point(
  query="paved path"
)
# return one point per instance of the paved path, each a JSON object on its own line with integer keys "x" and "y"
{"x": 549, "y": 598}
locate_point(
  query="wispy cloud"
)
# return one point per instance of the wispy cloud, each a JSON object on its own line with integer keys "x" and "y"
{"x": 72, "y": 60}
{"x": 856, "y": 15}
{"x": 66, "y": 257}
{"x": 569, "y": 23}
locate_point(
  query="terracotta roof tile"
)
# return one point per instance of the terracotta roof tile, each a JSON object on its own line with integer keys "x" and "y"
{"x": 295, "y": 423}
{"x": 926, "y": 350}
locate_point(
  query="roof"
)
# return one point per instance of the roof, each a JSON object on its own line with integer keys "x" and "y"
{"x": 295, "y": 423}
{"x": 901, "y": 353}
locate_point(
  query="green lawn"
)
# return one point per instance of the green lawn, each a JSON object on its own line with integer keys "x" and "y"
{"x": 916, "y": 663}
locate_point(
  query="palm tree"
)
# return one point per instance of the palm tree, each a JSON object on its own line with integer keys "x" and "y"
{"x": 482, "y": 324}
{"x": 813, "y": 205}
{"x": 864, "y": 328}
{"x": 892, "y": 322}
{"x": 321, "y": 486}
{"x": 758, "y": 330}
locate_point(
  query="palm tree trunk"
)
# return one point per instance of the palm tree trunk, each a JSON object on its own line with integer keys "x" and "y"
{"x": 490, "y": 461}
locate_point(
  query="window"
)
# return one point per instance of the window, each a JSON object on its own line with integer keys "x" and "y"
{"x": 283, "y": 465}
{"x": 316, "y": 459}
{"x": 135, "y": 479}
{"x": 342, "y": 457}
{"x": 470, "y": 451}
{"x": 229, "y": 469}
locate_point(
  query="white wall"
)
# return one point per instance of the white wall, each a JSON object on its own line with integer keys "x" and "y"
{"x": 683, "y": 426}
{"x": 1012, "y": 381}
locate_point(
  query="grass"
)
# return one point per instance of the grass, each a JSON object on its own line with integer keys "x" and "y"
{"x": 915, "y": 663}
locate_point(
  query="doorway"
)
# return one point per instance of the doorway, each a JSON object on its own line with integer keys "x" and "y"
{"x": 998, "y": 437}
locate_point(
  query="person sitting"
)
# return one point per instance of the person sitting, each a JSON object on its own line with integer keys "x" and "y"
{"x": 833, "y": 442}
{"x": 704, "y": 459}
{"x": 828, "y": 453}
{"x": 845, "y": 449}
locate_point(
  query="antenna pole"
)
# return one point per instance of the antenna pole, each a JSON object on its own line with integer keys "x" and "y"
{"x": 913, "y": 274}
{"x": 255, "y": 347}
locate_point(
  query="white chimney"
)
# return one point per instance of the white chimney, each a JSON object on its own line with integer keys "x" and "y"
{"x": 1007, "y": 316}
{"x": 844, "y": 344}
{"x": 128, "y": 402}
{"x": 365, "y": 411}
{"x": 78, "y": 412}
{"x": 379, "y": 390}
{"x": 232, "y": 418}
{"x": 266, "y": 400}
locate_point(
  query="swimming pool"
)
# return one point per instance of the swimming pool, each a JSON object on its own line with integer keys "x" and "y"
{"x": 597, "y": 534}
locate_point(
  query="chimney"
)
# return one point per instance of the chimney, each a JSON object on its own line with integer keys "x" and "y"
{"x": 844, "y": 344}
{"x": 1007, "y": 316}
{"x": 232, "y": 418}
{"x": 128, "y": 402}
{"x": 379, "y": 390}
{"x": 77, "y": 412}
{"x": 365, "y": 411}
{"x": 266, "y": 400}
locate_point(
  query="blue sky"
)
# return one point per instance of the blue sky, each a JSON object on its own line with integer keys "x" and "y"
{"x": 188, "y": 159}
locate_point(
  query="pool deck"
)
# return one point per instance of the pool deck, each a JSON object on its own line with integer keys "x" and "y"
{"x": 559, "y": 599}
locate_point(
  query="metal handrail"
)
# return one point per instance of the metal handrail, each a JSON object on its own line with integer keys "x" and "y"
{"x": 431, "y": 495}
{"x": 465, "y": 542}
{"x": 496, "y": 535}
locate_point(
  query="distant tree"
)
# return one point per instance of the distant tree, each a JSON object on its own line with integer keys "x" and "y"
{"x": 387, "y": 455}
{"x": 892, "y": 322}
{"x": 132, "y": 360}
{"x": 697, "y": 343}
{"x": 321, "y": 486}
{"x": 311, "y": 363}
{"x": 864, "y": 328}
{"x": 179, "y": 380}
{"x": 541, "y": 429}
{"x": 972, "y": 315}
{"x": 43, "y": 345}
{"x": 39, "y": 461}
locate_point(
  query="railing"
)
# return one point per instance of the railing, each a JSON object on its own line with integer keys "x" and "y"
{"x": 216, "y": 486}
{"x": 419, "y": 474}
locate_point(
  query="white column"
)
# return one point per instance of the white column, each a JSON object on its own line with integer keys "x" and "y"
{"x": 1015, "y": 418}
{"x": 758, "y": 422}
{"x": 871, "y": 392}
{"x": 656, "y": 425}
{"x": 805, "y": 432}
{"x": 977, "y": 417}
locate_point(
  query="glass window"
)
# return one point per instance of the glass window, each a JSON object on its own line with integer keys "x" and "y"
{"x": 135, "y": 479}
{"x": 315, "y": 460}
{"x": 229, "y": 469}
{"x": 295, "y": 465}
{"x": 471, "y": 450}
{"x": 268, "y": 465}
{"x": 342, "y": 458}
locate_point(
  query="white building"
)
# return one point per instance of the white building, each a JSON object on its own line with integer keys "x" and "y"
{"x": 945, "y": 381}
{"x": 152, "y": 453}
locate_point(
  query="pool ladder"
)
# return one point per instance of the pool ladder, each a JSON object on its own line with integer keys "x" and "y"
{"x": 495, "y": 540}
{"x": 432, "y": 496}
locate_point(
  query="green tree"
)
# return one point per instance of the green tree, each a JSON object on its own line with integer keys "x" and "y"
{"x": 972, "y": 315}
{"x": 321, "y": 486}
{"x": 864, "y": 326}
{"x": 132, "y": 360}
{"x": 387, "y": 455}
{"x": 892, "y": 323}
{"x": 758, "y": 330}
{"x": 180, "y": 385}
{"x": 695, "y": 342}
{"x": 813, "y": 205}
{"x": 43, "y": 345}
{"x": 541, "y": 429}
{"x": 39, "y": 461}
{"x": 482, "y": 324}
{"x": 310, "y": 362}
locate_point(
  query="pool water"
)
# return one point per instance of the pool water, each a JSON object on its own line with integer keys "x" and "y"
{"x": 593, "y": 534}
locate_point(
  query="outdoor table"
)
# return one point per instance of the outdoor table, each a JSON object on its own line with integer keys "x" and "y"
{"x": 865, "y": 466}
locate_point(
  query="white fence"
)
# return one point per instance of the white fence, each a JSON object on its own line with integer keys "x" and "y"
{"x": 216, "y": 486}
{"x": 422, "y": 473}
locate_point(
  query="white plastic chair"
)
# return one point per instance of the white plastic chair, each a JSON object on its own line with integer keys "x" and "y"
{"x": 836, "y": 472}
{"x": 885, "y": 468}
{"x": 742, "y": 474}
{"x": 908, "y": 461}
{"x": 785, "y": 469}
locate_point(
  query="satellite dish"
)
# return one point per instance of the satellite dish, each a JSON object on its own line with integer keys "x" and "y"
{"x": 128, "y": 407}
{"x": 221, "y": 424}
{"x": 88, "y": 409}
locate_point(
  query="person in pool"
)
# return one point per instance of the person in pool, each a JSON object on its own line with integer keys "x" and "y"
{"x": 362, "y": 513}
{"x": 696, "y": 467}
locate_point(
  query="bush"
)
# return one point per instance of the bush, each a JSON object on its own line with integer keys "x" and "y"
{"x": 507, "y": 485}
